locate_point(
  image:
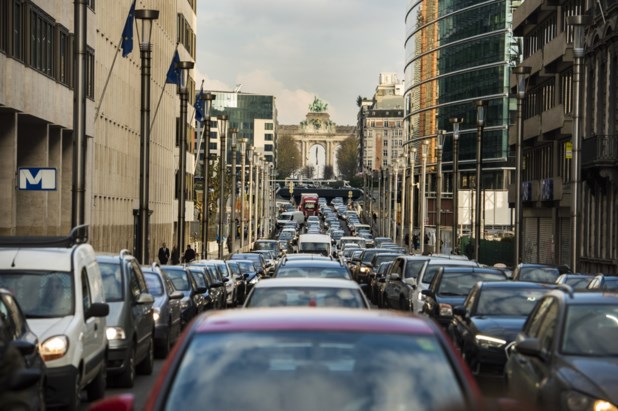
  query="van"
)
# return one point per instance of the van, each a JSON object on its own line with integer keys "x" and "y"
{"x": 57, "y": 282}
{"x": 315, "y": 243}
{"x": 296, "y": 216}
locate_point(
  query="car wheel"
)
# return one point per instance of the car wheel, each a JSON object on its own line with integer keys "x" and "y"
{"x": 146, "y": 366}
{"x": 96, "y": 389}
{"x": 75, "y": 395}
{"x": 127, "y": 378}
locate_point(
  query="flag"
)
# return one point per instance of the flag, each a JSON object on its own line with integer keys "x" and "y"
{"x": 127, "y": 32}
{"x": 173, "y": 74}
{"x": 199, "y": 111}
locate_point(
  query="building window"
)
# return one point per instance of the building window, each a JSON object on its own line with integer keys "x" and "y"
{"x": 268, "y": 126}
{"x": 18, "y": 30}
{"x": 90, "y": 73}
{"x": 268, "y": 158}
{"x": 268, "y": 147}
{"x": 4, "y": 25}
{"x": 268, "y": 137}
{"x": 63, "y": 59}
{"x": 186, "y": 36}
{"x": 41, "y": 41}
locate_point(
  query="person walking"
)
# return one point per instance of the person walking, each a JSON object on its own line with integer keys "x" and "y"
{"x": 189, "y": 254}
{"x": 175, "y": 256}
{"x": 164, "y": 254}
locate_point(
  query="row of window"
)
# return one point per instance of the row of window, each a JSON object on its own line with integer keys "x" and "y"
{"x": 186, "y": 36}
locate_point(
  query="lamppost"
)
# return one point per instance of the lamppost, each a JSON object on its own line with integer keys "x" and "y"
{"x": 394, "y": 208}
{"x": 232, "y": 230}
{"x": 146, "y": 17}
{"x": 263, "y": 204}
{"x": 271, "y": 197}
{"x": 411, "y": 190}
{"x": 421, "y": 199}
{"x": 207, "y": 98}
{"x": 521, "y": 72}
{"x": 250, "y": 229}
{"x": 439, "y": 148}
{"x": 480, "y": 124}
{"x": 380, "y": 202}
{"x": 455, "y": 121}
{"x": 389, "y": 206}
{"x": 243, "y": 147}
{"x": 404, "y": 162}
{"x": 183, "y": 67}
{"x": 256, "y": 161}
{"x": 579, "y": 24}
{"x": 222, "y": 120}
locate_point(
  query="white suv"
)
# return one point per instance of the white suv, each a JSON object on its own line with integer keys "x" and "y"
{"x": 58, "y": 285}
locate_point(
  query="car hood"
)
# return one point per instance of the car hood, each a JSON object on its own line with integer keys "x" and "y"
{"x": 595, "y": 376}
{"x": 44, "y": 328}
{"x": 505, "y": 327}
{"x": 115, "y": 312}
{"x": 452, "y": 300}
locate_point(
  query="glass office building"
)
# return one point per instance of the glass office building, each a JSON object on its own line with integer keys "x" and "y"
{"x": 457, "y": 52}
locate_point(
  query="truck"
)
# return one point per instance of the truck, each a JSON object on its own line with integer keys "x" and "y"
{"x": 309, "y": 204}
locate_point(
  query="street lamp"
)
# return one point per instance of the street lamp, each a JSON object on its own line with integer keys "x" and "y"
{"x": 455, "y": 121}
{"x": 411, "y": 190}
{"x": 579, "y": 24}
{"x": 183, "y": 67}
{"x": 207, "y": 99}
{"x": 404, "y": 162}
{"x": 480, "y": 124}
{"x": 389, "y": 206}
{"x": 421, "y": 199}
{"x": 394, "y": 208}
{"x": 521, "y": 72}
{"x": 222, "y": 122}
{"x": 142, "y": 237}
{"x": 234, "y": 132}
{"x": 256, "y": 161}
{"x": 439, "y": 147}
{"x": 250, "y": 229}
{"x": 243, "y": 148}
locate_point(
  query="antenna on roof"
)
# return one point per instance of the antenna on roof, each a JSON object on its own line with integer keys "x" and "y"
{"x": 237, "y": 88}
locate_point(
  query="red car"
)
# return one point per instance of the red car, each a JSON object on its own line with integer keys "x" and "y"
{"x": 308, "y": 359}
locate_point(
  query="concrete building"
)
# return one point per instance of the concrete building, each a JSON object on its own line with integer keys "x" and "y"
{"x": 548, "y": 132}
{"x": 36, "y": 118}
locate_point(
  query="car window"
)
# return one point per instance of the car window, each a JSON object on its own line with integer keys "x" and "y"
{"x": 548, "y": 326}
{"x": 179, "y": 279}
{"x": 460, "y": 284}
{"x": 139, "y": 275}
{"x": 519, "y": 302}
{"x": 112, "y": 281}
{"x": 154, "y": 284}
{"x": 86, "y": 296}
{"x": 591, "y": 330}
{"x": 413, "y": 268}
{"x": 533, "y": 325}
{"x": 134, "y": 285}
{"x": 7, "y": 319}
{"x": 199, "y": 278}
{"x": 305, "y": 296}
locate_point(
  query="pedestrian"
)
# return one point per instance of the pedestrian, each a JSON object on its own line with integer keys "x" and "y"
{"x": 164, "y": 254}
{"x": 175, "y": 256}
{"x": 189, "y": 254}
{"x": 416, "y": 242}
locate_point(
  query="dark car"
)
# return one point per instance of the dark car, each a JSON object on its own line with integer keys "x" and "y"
{"x": 239, "y": 279}
{"x": 490, "y": 318}
{"x": 378, "y": 281}
{"x": 218, "y": 281}
{"x": 362, "y": 267}
{"x": 450, "y": 287}
{"x": 539, "y": 273}
{"x": 313, "y": 268}
{"x": 166, "y": 309}
{"x": 22, "y": 370}
{"x": 272, "y": 245}
{"x": 255, "y": 257}
{"x": 603, "y": 282}
{"x": 249, "y": 273}
{"x": 576, "y": 281}
{"x": 192, "y": 303}
{"x": 203, "y": 281}
{"x": 566, "y": 356}
{"x": 130, "y": 323}
{"x": 401, "y": 281}
{"x": 309, "y": 359}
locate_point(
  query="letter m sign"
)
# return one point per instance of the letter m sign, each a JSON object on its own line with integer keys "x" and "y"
{"x": 37, "y": 179}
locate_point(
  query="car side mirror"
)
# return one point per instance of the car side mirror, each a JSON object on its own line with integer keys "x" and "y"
{"x": 145, "y": 298}
{"x": 176, "y": 295}
{"x": 225, "y": 280}
{"x": 201, "y": 290}
{"x": 428, "y": 293}
{"x": 395, "y": 277}
{"x": 98, "y": 310}
{"x": 460, "y": 310}
{"x": 26, "y": 348}
{"x": 529, "y": 346}
{"x": 246, "y": 275}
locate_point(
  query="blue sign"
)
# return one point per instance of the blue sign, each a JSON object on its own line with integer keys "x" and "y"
{"x": 37, "y": 179}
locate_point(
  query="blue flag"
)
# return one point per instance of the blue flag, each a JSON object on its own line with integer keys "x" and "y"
{"x": 127, "y": 32}
{"x": 173, "y": 73}
{"x": 199, "y": 110}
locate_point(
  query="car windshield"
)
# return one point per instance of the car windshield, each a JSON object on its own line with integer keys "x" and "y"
{"x": 41, "y": 294}
{"x": 539, "y": 274}
{"x": 591, "y": 330}
{"x": 430, "y": 273}
{"x": 199, "y": 277}
{"x": 578, "y": 283}
{"x": 246, "y": 267}
{"x": 286, "y": 235}
{"x": 263, "y": 245}
{"x": 322, "y": 248}
{"x": 460, "y": 284}
{"x": 316, "y": 370}
{"x": 112, "y": 281}
{"x": 312, "y": 271}
{"x": 155, "y": 286}
{"x": 179, "y": 279}
{"x": 305, "y": 296}
{"x": 382, "y": 258}
{"x": 507, "y": 302}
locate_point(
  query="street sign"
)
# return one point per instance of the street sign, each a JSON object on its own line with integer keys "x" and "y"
{"x": 37, "y": 179}
{"x": 568, "y": 150}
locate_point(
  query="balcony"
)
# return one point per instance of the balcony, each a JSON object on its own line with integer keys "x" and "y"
{"x": 600, "y": 151}
{"x": 529, "y": 13}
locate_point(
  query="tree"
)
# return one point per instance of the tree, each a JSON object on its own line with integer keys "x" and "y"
{"x": 288, "y": 156}
{"x": 329, "y": 172}
{"x": 307, "y": 171}
{"x": 347, "y": 157}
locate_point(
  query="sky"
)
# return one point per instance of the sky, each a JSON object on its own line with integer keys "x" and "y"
{"x": 300, "y": 49}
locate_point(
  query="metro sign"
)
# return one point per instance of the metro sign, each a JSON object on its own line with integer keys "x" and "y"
{"x": 37, "y": 179}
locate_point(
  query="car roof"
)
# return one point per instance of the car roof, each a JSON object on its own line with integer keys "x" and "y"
{"x": 310, "y": 319}
{"x": 463, "y": 269}
{"x": 312, "y": 263}
{"x": 518, "y": 284}
{"x": 587, "y": 297}
{"x": 308, "y": 282}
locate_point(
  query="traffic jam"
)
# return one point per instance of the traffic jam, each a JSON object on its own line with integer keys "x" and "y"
{"x": 322, "y": 315}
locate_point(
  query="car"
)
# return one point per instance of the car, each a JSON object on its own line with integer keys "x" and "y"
{"x": 225, "y": 276}
{"x": 22, "y": 370}
{"x": 377, "y": 283}
{"x": 264, "y": 244}
{"x": 312, "y": 268}
{"x": 539, "y": 273}
{"x": 192, "y": 303}
{"x": 362, "y": 267}
{"x": 577, "y": 281}
{"x": 312, "y": 292}
{"x": 130, "y": 323}
{"x": 240, "y": 280}
{"x": 401, "y": 281}
{"x": 310, "y": 359}
{"x": 602, "y": 282}
{"x": 380, "y": 240}
{"x": 451, "y": 286}
{"x": 207, "y": 275}
{"x": 57, "y": 282}
{"x": 166, "y": 309}
{"x": 489, "y": 319}
{"x": 565, "y": 356}
{"x": 257, "y": 258}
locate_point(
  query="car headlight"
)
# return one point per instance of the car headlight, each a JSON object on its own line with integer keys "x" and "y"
{"x": 54, "y": 347}
{"x": 486, "y": 342}
{"x": 446, "y": 310}
{"x": 155, "y": 315}
{"x": 576, "y": 401}
{"x": 115, "y": 333}
{"x": 364, "y": 269}
{"x": 254, "y": 280}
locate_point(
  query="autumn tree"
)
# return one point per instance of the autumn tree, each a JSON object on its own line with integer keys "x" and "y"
{"x": 288, "y": 156}
{"x": 347, "y": 157}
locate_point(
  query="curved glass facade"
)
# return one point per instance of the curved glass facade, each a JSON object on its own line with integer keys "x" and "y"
{"x": 458, "y": 51}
